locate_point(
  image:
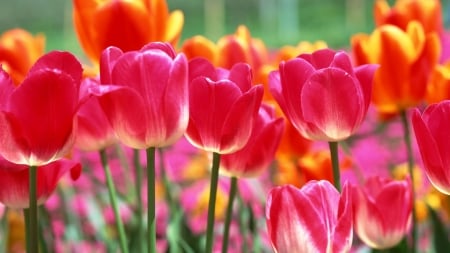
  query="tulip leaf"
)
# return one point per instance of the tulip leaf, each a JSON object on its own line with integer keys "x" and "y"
{"x": 440, "y": 234}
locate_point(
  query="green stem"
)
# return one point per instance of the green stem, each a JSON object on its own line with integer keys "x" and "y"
{"x": 151, "y": 200}
{"x": 212, "y": 202}
{"x": 229, "y": 214}
{"x": 112, "y": 197}
{"x": 32, "y": 228}
{"x": 139, "y": 210}
{"x": 26, "y": 218}
{"x": 43, "y": 225}
{"x": 167, "y": 187}
{"x": 410, "y": 157}
{"x": 335, "y": 164}
{"x": 4, "y": 231}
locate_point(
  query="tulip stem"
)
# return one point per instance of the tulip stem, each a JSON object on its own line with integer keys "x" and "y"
{"x": 335, "y": 164}
{"x": 112, "y": 197}
{"x": 410, "y": 157}
{"x": 139, "y": 208}
{"x": 229, "y": 214}
{"x": 212, "y": 202}
{"x": 32, "y": 232}
{"x": 151, "y": 200}
{"x": 4, "y": 230}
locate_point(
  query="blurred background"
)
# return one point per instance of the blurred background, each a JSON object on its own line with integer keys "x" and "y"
{"x": 277, "y": 22}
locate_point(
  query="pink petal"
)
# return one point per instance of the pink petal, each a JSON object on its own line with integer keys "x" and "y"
{"x": 431, "y": 157}
{"x": 108, "y": 59}
{"x": 238, "y": 124}
{"x": 209, "y": 105}
{"x": 365, "y": 74}
{"x": 241, "y": 74}
{"x": 339, "y": 109}
{"x": 16, "y": 195}
{"x": 126, "y": 112}
{"x": 201, "y": 67}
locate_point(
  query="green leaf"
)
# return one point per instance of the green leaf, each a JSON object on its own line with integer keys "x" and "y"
{"x": 440, "y": 233}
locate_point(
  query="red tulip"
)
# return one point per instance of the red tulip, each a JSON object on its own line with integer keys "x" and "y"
{"x": 382, "y": 211}
{"x": 223, "y": 107}
{"x": 144, "y": 94}
{"x": 14, "y": 178}
{"x": 323, "y": 96}
{"x": 432, "y": 135}
{"x": 260, "y": 149}
{"x": 37, "y": 119}
{"x": 94, "y": 131}
{"x": 312, "y": 219}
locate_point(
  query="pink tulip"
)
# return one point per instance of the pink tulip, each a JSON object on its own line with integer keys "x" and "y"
{"x": 223, "y": 107}
{"x": 312, "y": 219}
{"x": 258, "y": 153}
{"x": 37, "y": 119}
{"x": 144, "y": 94}
{"x": 14, "y": 178}
{"x": 432, "y": 135}
{"x": 382, "y": 211}
{"x": 94, "y": 131}
{"x": 324, "y": 97}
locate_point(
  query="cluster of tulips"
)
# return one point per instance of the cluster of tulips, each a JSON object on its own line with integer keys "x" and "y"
{"x": 227, "y": 146}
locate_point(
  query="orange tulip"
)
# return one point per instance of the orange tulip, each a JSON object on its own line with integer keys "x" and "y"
{"x": 18, "y": 51}
{"x": 438, "y": 88}
{"x": 428, "y": 13}
{"x": 406, "y": 60}
{"x": 126, "y": 24}
{"x": 229, "y": 50}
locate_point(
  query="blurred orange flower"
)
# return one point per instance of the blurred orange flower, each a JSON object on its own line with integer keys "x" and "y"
{"x": 127, "y": 24}
{"x": 19, "y": 49}
{"x": 428, "y": 13}
{"x": 229, "y": 50}
{"x": 406, "y": 60}
{"x": 314, "y": 165}
{"x": 438, "y": 88}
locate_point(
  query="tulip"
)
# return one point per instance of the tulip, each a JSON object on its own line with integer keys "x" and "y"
{"x": 229, "y": 49}
{"x": 312, "y": 219}
{"x": 259, "y": 151}
{"x": 128, "y": 25}
{"x": 94, "y": 131}
{"x": 144, "y": 94}
{"x": 222, "y": 111}
{"x": 322, "y": 95}
{"x": 382, "y": 211}
{"x": 14, "y": 177}
{"x": 438, "y": 88}
{"x": 37, "y": 119}
{"x": 432, "y": 135}
{"x": 406, "y": 59}
{"x": 19, "y": 50}
{"x": 428, "y": 13}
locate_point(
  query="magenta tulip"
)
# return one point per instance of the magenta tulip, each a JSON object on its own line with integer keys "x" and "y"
{"x": 222, "y": 110}
{"x": 382, "y": 211}
{"x": 14, "y": 178}
{"x": 258, "y": 153}
{"x": 432, "y": 135}
{"x": 324, "y": 97}
{"x": 37, "y": 118}
{"x": 312, "y": 219}
{"x": 94, "y": 131}
{"x": 145, "y": 94}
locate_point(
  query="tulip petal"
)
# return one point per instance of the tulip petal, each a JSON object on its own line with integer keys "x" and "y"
{"x": 238, "y": 124}
{"x": 338, "y": 111}
{"x": 205, "y": 126}
{"x": 241, "y": 74}
{"x": 16, "y": 195}
{"x": 430, "y": 152}
{"x": 126, "y": 112}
